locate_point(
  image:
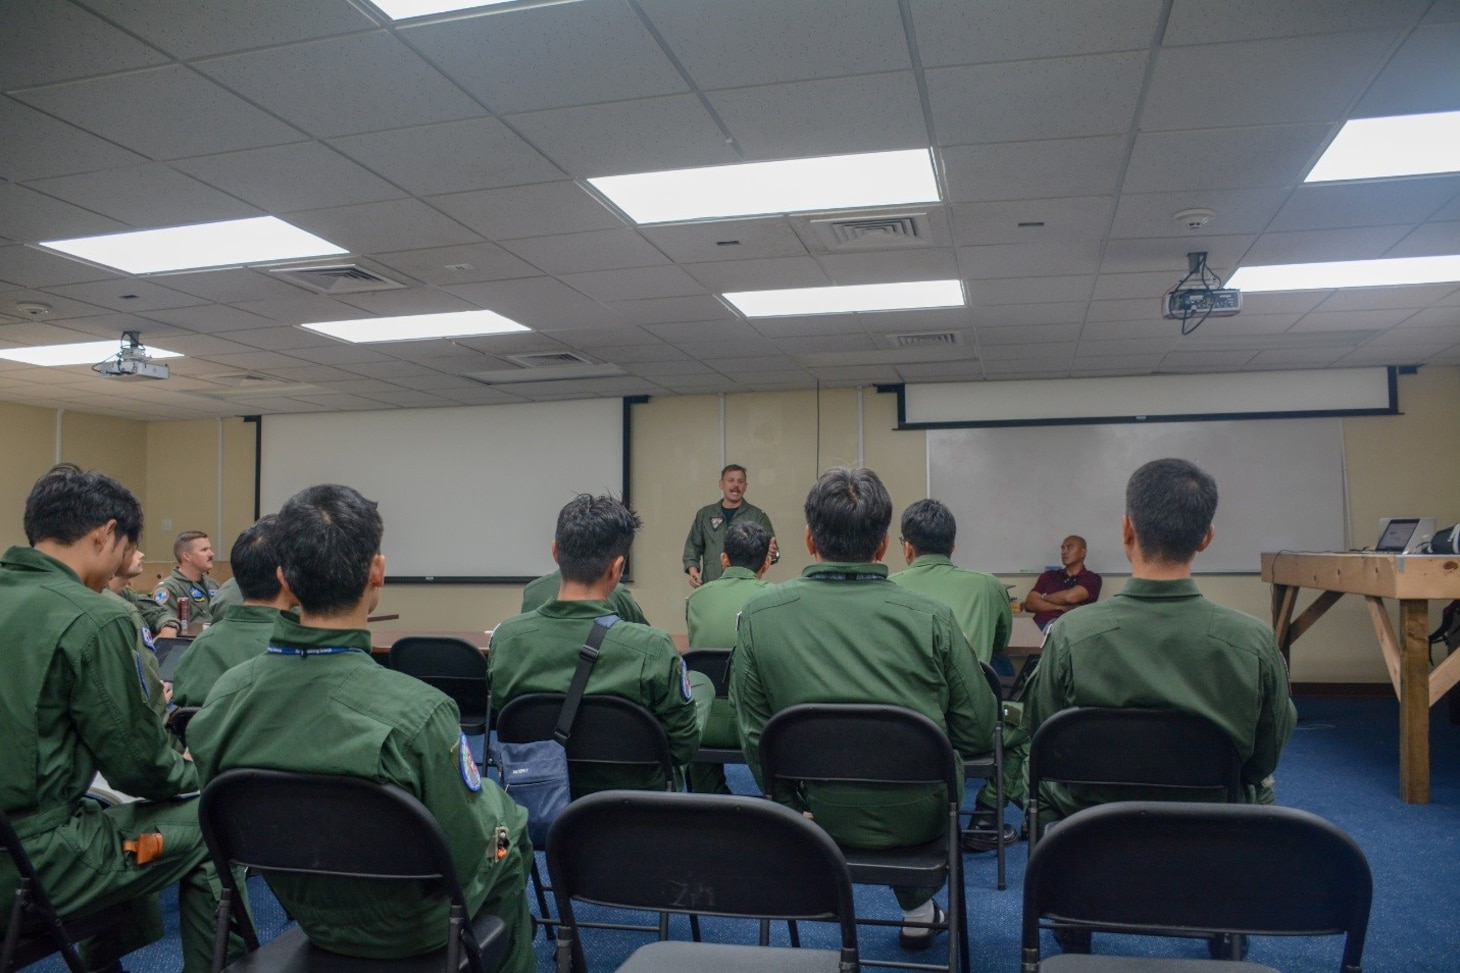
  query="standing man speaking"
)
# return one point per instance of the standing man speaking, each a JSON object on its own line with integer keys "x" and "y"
{"x": 706, "y": 538}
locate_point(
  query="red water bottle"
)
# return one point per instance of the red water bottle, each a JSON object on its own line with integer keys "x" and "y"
{"x": 184, "y": 613}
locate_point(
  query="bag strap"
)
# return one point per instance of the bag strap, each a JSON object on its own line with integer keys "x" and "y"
{"x": 587, "y": 656}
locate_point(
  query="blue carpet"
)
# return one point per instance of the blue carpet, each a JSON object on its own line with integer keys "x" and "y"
{"x": 1342, "y": 764}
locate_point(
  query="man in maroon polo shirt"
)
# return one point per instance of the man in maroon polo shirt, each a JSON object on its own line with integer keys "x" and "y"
{"x": 1059, "y": 590}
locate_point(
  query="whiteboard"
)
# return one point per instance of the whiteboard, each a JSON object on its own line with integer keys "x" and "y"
{"x": 466, "y": 493}
{"x": 1016, "y": 492}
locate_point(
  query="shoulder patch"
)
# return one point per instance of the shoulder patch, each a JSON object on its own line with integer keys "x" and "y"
{"x": 160, "y": 596}
{"x": 685, "y": 689}
{"x": 467, "y": 764}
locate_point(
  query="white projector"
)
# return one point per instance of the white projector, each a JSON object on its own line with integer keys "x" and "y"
{"x": 132, "y": 369}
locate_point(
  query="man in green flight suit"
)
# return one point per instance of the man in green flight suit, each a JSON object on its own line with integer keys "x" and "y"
{"x": 841, "y": 633}
{"x": 149, "y": 672}
{"x": 980, "y": 605}
{"x": 244, "y": 630}
{"x": 712, "y": 612}
{"x": 540, "y": 591}
{"x": 70, "y": 706}
{"x": 706, "y": 539}
{"x": 226, "y": 595}
{"x": 194, "y": 553}
{"x": 315, "y": 702}
{"x": 538, "y": 652}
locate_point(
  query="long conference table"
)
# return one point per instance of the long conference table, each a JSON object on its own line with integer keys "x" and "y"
{"x": 1412, "y": 580}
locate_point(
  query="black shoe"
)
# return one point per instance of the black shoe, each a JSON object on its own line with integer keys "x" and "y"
{"x": 1227, "y": 946}
{"x": 980, "y": 833}
{"x": 1072, "y": 940}
{"x": 920, "y": 939}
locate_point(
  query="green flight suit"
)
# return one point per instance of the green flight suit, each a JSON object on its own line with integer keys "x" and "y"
{"x": 200, "y": 593}
{"x": 841, "y": 633}
{"x": 338, "y": 712}
{"x": 706, "y": 540}
{"x": 544, "y": 589}
{"x": 979, "y": 601}
{"x": 711, "y": 611}
{"x": 154, "y": 616}
{"x": 1161, "y": 645}
{"x": 149, "y": 672}
{"x": 242, "y": 633}
{"x": 228, "y": 594}
{"x": 70, "y": 706}
{"x": 538, "y": 653}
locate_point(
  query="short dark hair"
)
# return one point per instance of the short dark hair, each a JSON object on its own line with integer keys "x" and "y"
{"x": 1170, "y": 503}
{"x": 255, "y": 565}
{"x": 325, "y": 538}
{"x": 848, "y": 511}
{"x": 67, "y": 503}
{"x": 591, "y": 532}
{"x": 732, "y": 468}
{"x": 747, "y": 545}
{"x": 183, "y": 540}
{"x": 929, "y": 526}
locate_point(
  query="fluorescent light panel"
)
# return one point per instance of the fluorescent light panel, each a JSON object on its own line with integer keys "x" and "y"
{"x": 80, "y": 353}
{"x": 1401, "y": 145}
{"x": 418, "y": 327}
{"x": 761, "y": 188}
{"x": 229, "y": 243}
{"x": 406, "y": 9}
{"x": 848, "y": 299}
{"x": 1348, "y": 273}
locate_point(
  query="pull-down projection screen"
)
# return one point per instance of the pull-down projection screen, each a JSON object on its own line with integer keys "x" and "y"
{"x": 468, "y": 494}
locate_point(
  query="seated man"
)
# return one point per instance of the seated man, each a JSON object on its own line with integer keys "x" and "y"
{"x": 1159, "y": 644}
{"x": 316, "y": 702}
{"x": 712, "y": 611}
{"x": 226, "y": 595}
{"x": 1058, "y": 590}
{"x": 537, "y": 652}
{"x": 842, "y": 634}
{"x": 154, "y": 690}
{"x": 190, "y": 580}
{"x": 541, "y": 590}
{"x": 70, "y": 706}
{"x": 243, "y": 631}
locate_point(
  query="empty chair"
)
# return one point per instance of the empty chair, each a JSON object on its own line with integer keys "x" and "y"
{"x": 179, "y": 721}
{"x": 862, "y": 744}
{"x": 333, "y": 827}
{"x": 452, "y": 665}
{"x": 1183, "y": 869}
{"x": 715, "y": 663}
{"x": 706, "y": 854}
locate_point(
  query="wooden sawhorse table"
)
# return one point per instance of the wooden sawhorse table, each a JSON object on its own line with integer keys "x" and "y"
{"x": 1412, "y": 580}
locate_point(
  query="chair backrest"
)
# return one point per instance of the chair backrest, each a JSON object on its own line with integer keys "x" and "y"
{"x": 996, "y": 685}
{"x": 181, "y": 717}
{"x": 702, "y": 853}
{"x": 1144, "y": 747}
{"x": 714, "y": 663}
{"x": 452, "y": 665}
{"x": 857, "y": 743}
{"x": 1173, "y": 868}
{"x": 608, "y": 730}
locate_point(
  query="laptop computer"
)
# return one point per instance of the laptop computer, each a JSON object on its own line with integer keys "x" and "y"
{"x": 1404, "y": 535}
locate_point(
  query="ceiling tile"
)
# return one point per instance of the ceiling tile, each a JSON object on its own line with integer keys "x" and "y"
{"x": 1072, "y": 218}
{"x": 1359, "y": 243}
{"x": 1365, "y": 204}
{"x": 1113, "y": 287}
{"x": 473, "y": 262}
{"x": 1035, "y": 334}
{"x": 450, "y": 157}
{"x": 298, "y": 308}
{"x": 541, "y": 303}
{"x": 723, "y": 240}
{"x": 203, "y": 27}
{"x": 1034, "y": 170}
{"x": 523, "y": 211}
{"x": 1030, "y": 290}
{"x": 1169, "y": 253}
{"x": 1195, "y": 22}
{"x": 1206, "y": 360}
{"x": 36, "y": 145}
{"x": 281, "y": 178}
{"x": 411, "y": 300}
{"x": 235, "y": 285}
{"x": 145, "y": 196}
{"x": 550, "y": 57}
{"x": 869, "y": 113}
{"x": 401, "y": 224}
{"x": 826, "y": 344}
{"x": 163, "y": 113}
{"x": 1223, "y": 158}
{"x": 627, "y": 136}
{"x": 1351, "y": 320}
{"x": 29, "y": 267}
{"x": 344, "y": 85}
{"x": 1028, "y": 314}
{"x": 877, "y": 267}
{"x": 1058, "y": 98}
{"x": 672, "y": 310}
{"x": 636, "y": 284}
{"x": 129, "y": 295}
{"x": 30, "y": 217}
{"x": 1429, "y": 240}
{"x": 583, "y": 252}
{"x": 741, "y": 275}
{"x": 1052, "y": 258}
{"x": 1374, "y": 298}
{"x": 30, "y": 55}
{"x": 957, "y": 32}
{"x": 1237, "y": 211}
{"x": 1422, "y": 76}
{"x": 61, "y": 308}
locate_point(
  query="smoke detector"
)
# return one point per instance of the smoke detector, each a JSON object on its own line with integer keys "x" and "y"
{"x": 1194, "y": 219}
{"x": 33, "y": 309}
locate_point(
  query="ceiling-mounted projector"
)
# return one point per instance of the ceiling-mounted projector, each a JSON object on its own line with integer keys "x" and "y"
{"x": 1199, "y": 295}
{"x": 131, "y": 361}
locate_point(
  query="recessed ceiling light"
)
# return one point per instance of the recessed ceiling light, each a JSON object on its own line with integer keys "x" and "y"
{"x": 760, "y": 188}
{"x": 1348, "y": 273}
{"x": 418, "y": 327}
{"x": 230, "y": 243}
{"x": 1400, "y": 145}
{"x": 848, "y": 299}
{"x": 80, "y": 353}
{"x": 406, "y": 9}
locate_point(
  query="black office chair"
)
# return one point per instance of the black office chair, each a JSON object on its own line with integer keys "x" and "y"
{"x": 714, "y": 663}
{"x": 709, "y": 855}
{"x": 844, "y": 743}
{"x": 36, "y": 929}
{"x": 313, "y": 824}
{"x": 608, "y": 731}
{"x": 1161, "y": 868}
{"x": 990, "y": 766}
{"x": 452, "y": 665}
{"x": 1149, "y": 749}
{"x": 179, "y": 721}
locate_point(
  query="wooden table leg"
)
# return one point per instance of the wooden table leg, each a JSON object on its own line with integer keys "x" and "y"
{"x": 1414, "y": 703}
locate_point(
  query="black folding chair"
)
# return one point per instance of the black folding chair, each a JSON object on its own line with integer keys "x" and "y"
{"x": 1161, "y": 868}
{"x": 705, "y": 854}
{"x": 990, "y": 766}
{"x": 860, "y": 744}
{"x": 313, "y": 824}
{"x": 179, "y": 721}
{"x": 714, "y": 663}
{"x": 452, "y": 665}
{"x": 608, "y": 731}
{"x": 1146, "y": 748}
{"x": 36, "y": 929}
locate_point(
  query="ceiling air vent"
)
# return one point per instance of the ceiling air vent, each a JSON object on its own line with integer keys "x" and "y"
{"x": 547, "y": 359}
{"x": 873, "y": 232}
{"x": 919, "y": 339}
{"x": 337, "y": 279}
{"x": 243, "y": 385}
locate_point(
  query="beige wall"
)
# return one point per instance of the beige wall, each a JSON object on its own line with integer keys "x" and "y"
{"x": 29, "y": 440}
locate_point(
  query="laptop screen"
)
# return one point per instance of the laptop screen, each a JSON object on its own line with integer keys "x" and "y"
{"x": 1396, "y": 534}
